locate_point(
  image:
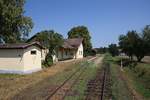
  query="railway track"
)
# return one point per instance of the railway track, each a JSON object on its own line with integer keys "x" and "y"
{"x": 61, "y": 91}
{"x": 99, "y": 88}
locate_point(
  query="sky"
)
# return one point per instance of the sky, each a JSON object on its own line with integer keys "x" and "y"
{"x": 105, "y": 19}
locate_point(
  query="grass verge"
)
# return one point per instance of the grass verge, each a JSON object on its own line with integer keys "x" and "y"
{"x": 133, "y": 81}
{"x": 139, "y": 76}
{"x": 119, "y": 88}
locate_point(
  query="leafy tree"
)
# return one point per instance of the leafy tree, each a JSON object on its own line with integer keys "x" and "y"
{"x": 133, "y": 44}
{"x": 14, "y": 26}
{"x": 146, "y": 36}
{"x": 127, "y": 43}
{"x": 49, "y": 39}
{"x": 140, "y": 48}
{"x": 82, "y": 32}
{"x": 113, "y": 49}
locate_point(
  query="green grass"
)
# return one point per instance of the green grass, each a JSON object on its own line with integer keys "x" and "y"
{"x": 140, "y": 78}
{"x": 138, "y": 75}
{"x": 119, "y": 88}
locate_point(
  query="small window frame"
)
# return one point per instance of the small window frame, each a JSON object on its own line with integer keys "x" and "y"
{"x": 33, "y": 52}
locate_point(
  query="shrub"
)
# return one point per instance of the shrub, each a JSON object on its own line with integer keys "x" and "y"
{"x": 142, "y": 72}
{"x": 48, "y": 61}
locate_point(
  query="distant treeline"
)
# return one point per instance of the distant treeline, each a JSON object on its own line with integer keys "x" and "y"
{"x": 101, "y": 50}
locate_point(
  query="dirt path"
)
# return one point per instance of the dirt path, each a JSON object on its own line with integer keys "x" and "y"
{"x": 11, "y": 85}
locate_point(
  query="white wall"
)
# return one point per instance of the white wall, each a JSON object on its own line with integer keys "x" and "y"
{"x": 20, "y": 60}
{"x": 44, "y": 53}
{"x": 11, "y": 59}
{"x": 79, "y": 53}
{"x": 55, "y": 59}
{"x": 32, "y": 62}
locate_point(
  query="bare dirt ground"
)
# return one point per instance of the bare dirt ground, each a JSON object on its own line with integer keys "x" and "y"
{"x": 10, "y": 84}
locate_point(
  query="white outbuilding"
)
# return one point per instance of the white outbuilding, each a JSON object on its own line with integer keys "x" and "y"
{"x": 22, "y": 58}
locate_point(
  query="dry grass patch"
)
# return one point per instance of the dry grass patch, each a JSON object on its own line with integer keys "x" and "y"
{"x": 11, "y": 84}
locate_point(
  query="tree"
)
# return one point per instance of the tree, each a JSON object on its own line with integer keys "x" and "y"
{"x": 49, "y": 39}
{"x": 146, "y": 36}
{"x": 82, "y": 32}
{"x": 133, "y": 44}
{"x": 113, "y": 49}
{"x": 14, "y": 26}
{"x": 102, "y": 50}
{"x": 140, "y": 49}
{"x": 127, "y": 43}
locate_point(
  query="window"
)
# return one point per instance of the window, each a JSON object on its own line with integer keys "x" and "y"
{"x": 33, "y": 52}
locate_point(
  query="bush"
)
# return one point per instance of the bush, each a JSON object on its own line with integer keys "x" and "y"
{"x": 48, "y": 61}
{"x": 142, "y": 71}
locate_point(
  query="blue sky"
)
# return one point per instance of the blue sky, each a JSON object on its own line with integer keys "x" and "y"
{"x": 105, "y": 19}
